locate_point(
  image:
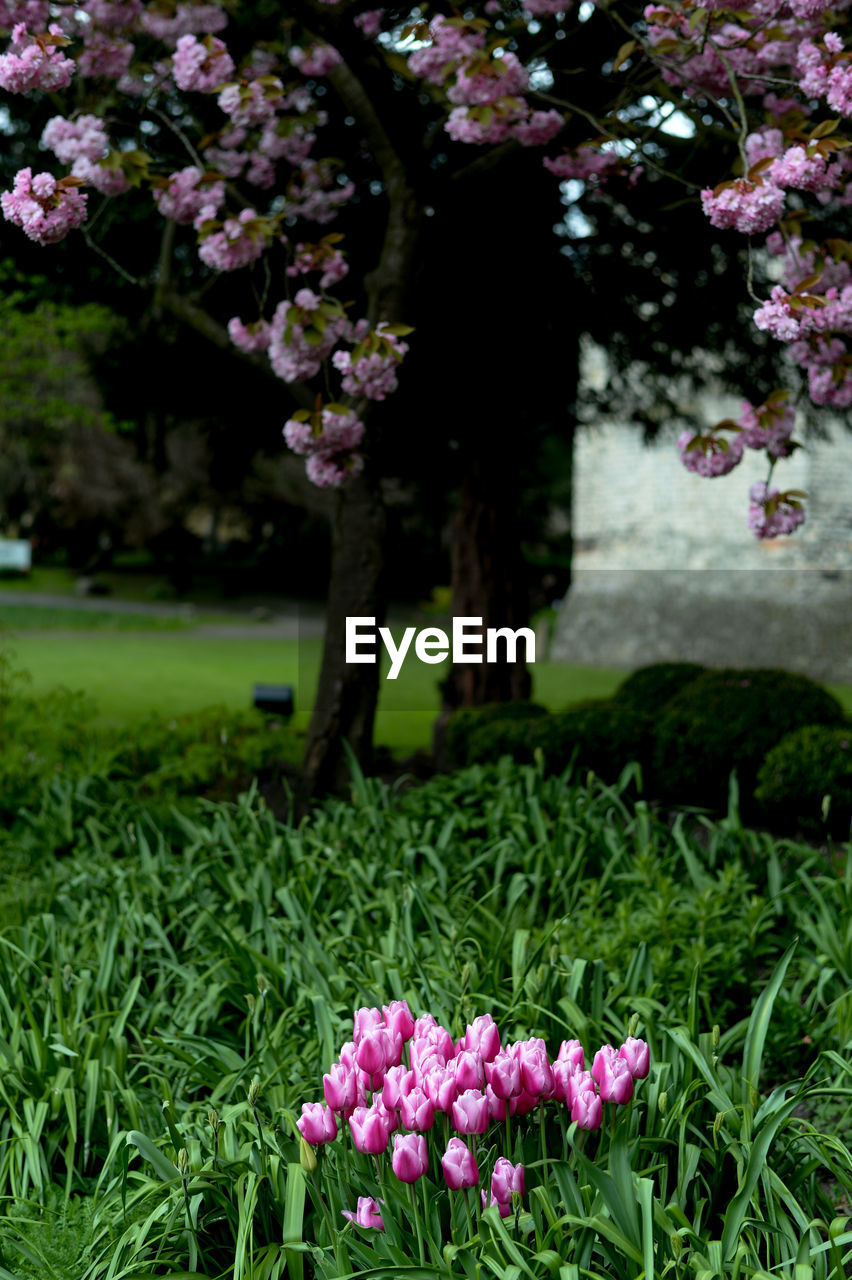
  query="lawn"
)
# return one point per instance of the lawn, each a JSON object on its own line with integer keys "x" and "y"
{"x": 129, "y": 675}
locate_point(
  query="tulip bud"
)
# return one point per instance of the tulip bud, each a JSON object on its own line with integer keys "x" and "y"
{"x": 367, "y": 1214}
{"x": 263, "y": 983}
{"x": 715, "y": 1035}
{"x": 183, "y": 1162}
{"x": 250, "y": 1003}
{"x": 676, "y": 1243}
{"x": 459, "y": 1166}
{"x": 318, "y": 1124}
{"x": 213, "y": 1120}
{"x": 410, "y": 1159}
{"x": 662, "y": 1103}
{"x": 307, "y": 1156}
{"x": 634, "y": 1023}
{"x": 254, "y": 1093}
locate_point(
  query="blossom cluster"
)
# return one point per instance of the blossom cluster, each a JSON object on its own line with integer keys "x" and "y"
{"x": 188, "y": 191}
{"x": 487, "y": 92}
{"x": 233, "y": 243}
{"x": 44, "y": 208}
{"x": 370, "y": 369}
{"x": 398, "y": 1073}
{"x": 772, "y": 513}
{"x": 35, "y": 61}
{"x": 768, "y": 427}
{"x": 82, "y": 143}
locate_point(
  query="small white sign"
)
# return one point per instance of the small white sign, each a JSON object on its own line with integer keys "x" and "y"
{"x": 16, "y": 553}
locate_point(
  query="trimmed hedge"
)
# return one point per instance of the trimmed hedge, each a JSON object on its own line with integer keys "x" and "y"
{"x": 731, "y": 719}
{"x": 599, "y": 735}
{"x": 467, "y": 721}
{"x": 806, "y": 766}
{"x": 650, "y": 688}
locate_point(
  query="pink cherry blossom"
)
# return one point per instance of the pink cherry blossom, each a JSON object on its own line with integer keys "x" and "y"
{"x": 46, "y": 210}
{"x": 744, "y": 206}
{"x": 35, "y": 62}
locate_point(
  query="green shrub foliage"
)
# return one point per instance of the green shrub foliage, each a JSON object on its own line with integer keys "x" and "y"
{"x": 728, "y": 720}
{"x": 650, "y": 688}
{"x": 599, "y": 735}
{"x": 463, "y": 724}
{"x": 807, "y": 766}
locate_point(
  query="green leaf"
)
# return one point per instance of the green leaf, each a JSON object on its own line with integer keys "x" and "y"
{"x": 164, "y": 1167}
{"x": 758, "y": 1025}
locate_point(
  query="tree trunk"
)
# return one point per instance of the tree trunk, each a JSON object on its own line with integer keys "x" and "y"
{"x": 346, "y": 698}
{"x": 489, "y": 580}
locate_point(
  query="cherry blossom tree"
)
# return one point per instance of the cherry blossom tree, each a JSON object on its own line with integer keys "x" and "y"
{"x": 258, "y": 136}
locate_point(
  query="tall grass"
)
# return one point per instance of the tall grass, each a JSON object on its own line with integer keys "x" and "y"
{"x": 172, "y": 989}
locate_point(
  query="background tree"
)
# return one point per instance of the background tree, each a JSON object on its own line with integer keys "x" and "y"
{"x": 419, "y": 211}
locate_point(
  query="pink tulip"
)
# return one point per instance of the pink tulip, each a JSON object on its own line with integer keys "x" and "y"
{"x": 459, "y": 1166}
{"x": 572, "y": 1051}
{"x": 562, "y": 1072}
{"x": 507, "y": 1179}
{"x": 423, "y": 1025}
{"x": 317, "y": 1124}
{"x": 398, "y": 1081}
{"x": 440, "y": 1086}
{"x": 483, "y": 1037}
{"x": 616, "y": 1082}
{"x": 470, "y": 1112}
{"x": 370, "y": 1130}
{"x": 536, "y": 1072}
{"x": 469, "y": 1071}
{"x": 443, "y": 1042}
{"x": 390, "y": 1114}
{"x": 366, "y": 1215}
{"x": 372, "y": 1052}
{"x": 504, "y": 1075}
{"x": 347, "y": 1055}
{"x": 365, "y": 1020}
{"x": 587, "y": 1109}
{"x": 496, "y": 1106}
{"x": 399, "y": 1019}
{"x": 416, "y": 1110}
{"x": 340, "y": 1088}
{"x": 605, "y": 1054}
{"x": 410, "y": 1160}
{"x": 493, "y": 1203}
{"x": 579, "y": 1082}
{"x": 524, "y": 1103}
{"x": 637, "y": 1055}
{"x": 424, "y": 1056}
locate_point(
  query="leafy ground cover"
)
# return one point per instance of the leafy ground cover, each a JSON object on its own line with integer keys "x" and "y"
{"x": 173, "y": 987}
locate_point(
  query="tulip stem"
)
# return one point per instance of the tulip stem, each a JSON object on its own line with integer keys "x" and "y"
{"x": 467, "y": 1211}
{"x": 508, "y": 1132}
{"x": 543, "y": 1142}
{"x": 417, "y": 1223}
{"x": 331, "y": 1231}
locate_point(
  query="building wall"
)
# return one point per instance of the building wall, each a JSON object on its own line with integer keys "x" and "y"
{"x": 666, "y": 567}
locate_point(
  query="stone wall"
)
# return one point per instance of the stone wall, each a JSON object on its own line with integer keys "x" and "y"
{"x": 666, "y": 568}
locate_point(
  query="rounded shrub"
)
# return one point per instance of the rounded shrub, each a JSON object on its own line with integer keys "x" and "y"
{"x": 797, "y": 775}
{"x": 649, "y": 688}
{"x": 729, "y": 720}
{"x": 599, "y": 735}
{"x": 467, "y": 721}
